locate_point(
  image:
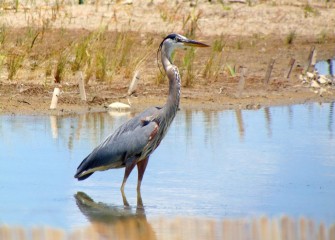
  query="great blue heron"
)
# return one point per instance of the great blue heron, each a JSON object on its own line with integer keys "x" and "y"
{"x": 133, "y": 142}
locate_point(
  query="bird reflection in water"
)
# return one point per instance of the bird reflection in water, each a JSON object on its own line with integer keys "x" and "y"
{"x": 113, "y": 222}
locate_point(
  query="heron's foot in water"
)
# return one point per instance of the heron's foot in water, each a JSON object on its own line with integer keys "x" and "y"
{"x": 124, "y": 198}
{"x": 139, "y": 200}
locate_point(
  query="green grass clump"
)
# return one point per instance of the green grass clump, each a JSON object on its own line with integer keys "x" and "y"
{"x": 3, "y": 34}
{"x": 322, "y": 37}
{"x": 61, "y": 67}
{"x": 101, "y": 65}
{"x": 239, "y": 45}
{"x": 48, "y": 68}
{"x": 190, "y": 23}
{"x": 14, "y": 63}
{"x": 16, "y": 5}
{"x": 2, "y": 61}
{"x": 231, "y": 70}
{"x": 81, "y": 53}
{"x": 187, "y": 67}
{"x": 290, "y": 37}
{"x": 309, "y": 10}
{"x": 214, "y": 64}
{"x": 159, "y": 78}
{"x": 124, "y": 45}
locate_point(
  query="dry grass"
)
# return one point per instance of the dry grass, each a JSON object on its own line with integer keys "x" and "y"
{"x": 14, "y": 62}
{"x": 169, "y": 13}
{"x": 215, "y": 63}
{"x": 187, "y": 71}
{"x": 60, "y": 67}
{"x": 100, "y": 54}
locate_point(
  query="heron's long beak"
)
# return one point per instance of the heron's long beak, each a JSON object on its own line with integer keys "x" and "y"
{"x": 194, "y": 43}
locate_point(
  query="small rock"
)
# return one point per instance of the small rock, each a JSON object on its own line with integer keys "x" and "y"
{"x": 322, "y": 91}
{"x": 323, "y": 79}
{"x": 301, "y": 78}
{"x": 314, "y": 84}
{"x": 310, "y": 75}
{"x": 127, "y": 2}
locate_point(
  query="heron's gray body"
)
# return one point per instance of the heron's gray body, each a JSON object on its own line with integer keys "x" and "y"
{"x": 120, "y": 147}
{"x": 136, "y": 139}
{"x": 133, "y": 142}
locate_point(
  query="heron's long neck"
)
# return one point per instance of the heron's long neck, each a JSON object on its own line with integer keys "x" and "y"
{"x": 172, "y": 73}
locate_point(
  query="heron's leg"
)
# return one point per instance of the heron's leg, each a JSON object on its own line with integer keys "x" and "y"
{"x": 124, "y": 198}
{"x": 139, "y": 200}
{"x": 129, "y": 168}
{"x": 141, "y": 166}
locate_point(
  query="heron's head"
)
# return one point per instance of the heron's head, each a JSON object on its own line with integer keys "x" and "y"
{"x": 174, "y": 41}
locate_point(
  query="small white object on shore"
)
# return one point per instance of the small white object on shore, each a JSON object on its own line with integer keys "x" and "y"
{"x": 315, "y": 84}
{"x": 310, "y": 75}
{"x": 119, "y": 106}
{"x": 322, "y": 79}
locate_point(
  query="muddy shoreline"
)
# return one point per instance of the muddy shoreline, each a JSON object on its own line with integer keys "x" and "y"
{"x": 35, "y": 100}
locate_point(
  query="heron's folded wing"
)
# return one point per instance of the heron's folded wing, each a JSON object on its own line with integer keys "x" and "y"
{"x": 115, "y": 151}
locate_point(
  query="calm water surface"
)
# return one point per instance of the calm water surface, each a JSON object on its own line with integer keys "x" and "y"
{"x": 211, "y": 164}
{"x": 326, "y": 67}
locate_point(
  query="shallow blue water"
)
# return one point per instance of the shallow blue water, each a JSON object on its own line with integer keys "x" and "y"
{"x": 212, "y": 164}
{"x": 326, "y": 67}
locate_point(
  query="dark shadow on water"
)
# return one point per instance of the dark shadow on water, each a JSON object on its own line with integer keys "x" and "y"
{"x": 108, "y": 219}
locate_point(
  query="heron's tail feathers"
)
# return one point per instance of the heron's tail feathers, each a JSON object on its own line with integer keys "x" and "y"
{"x": 82, "y": 168}
{"x": 99, "y": 161}
{"x": 92, "y": 164}
{"x": 83, "y": 177}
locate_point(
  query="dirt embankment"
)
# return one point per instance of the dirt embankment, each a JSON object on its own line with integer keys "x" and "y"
{"x": 250, "y": 37}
